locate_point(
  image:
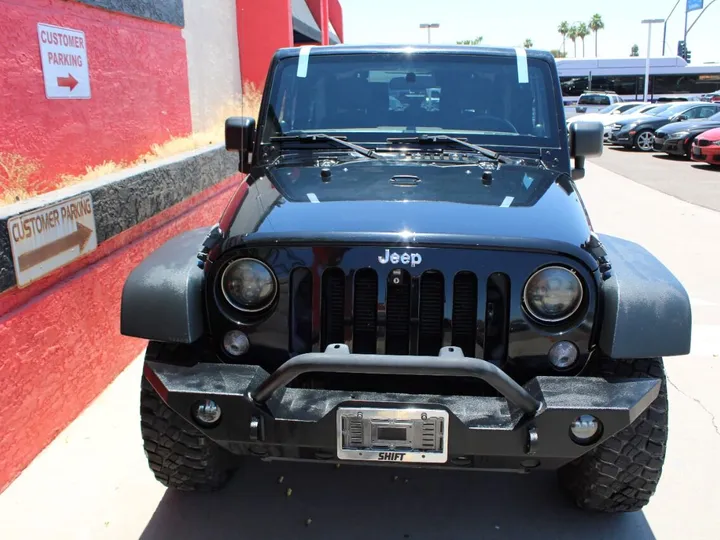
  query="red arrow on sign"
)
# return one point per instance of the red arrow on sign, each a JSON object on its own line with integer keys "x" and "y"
{"x": 67, "y": 82}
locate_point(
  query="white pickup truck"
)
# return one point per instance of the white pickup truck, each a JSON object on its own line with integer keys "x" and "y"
{"x": 590, "y": 102}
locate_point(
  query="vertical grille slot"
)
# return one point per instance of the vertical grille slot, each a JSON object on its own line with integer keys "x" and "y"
{"x": 464, "y": 315}
{"x": 365, "y": 311}
{"x": 397, "y": 322}
{"x": 332, "y": 307}
{"x": 301, "y": 299}
{"x": 497, "y": 317}
{"x": 432, "y": 293}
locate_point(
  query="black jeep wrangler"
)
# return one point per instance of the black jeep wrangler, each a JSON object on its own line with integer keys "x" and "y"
{"x": 408, "y": 277}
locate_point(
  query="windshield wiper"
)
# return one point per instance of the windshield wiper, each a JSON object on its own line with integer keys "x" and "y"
{"x": 437, "y": 138}
{"x": 314, "y": 137}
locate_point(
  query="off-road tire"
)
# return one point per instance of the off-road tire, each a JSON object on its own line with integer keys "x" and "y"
{"x": 621, "y": 474}
{"x": 178, "y": 454}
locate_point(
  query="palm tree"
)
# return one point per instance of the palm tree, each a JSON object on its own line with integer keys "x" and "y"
{"x": 573, "y": 34}
{"x": 557, "y": 53}
{"x": 528, "y": 43}
{"x": 596, "y": 23}
{"x": 582, "y": 33}
{"x": 563, "y": 30}
{"x": 635, "y": 51}
{"x": 475, "y": 41}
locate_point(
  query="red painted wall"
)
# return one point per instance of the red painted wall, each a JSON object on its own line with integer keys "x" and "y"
{"x": 63, "y": 347}
{"x": 263, "y": 27}
{"x": 138, "y": 80}
{"x": 334, "y": 14}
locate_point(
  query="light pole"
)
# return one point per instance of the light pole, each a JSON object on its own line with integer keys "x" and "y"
{"x": 429, "y": 26}
{"x": 649, "y": 22}
{"x": 665, "y": 25}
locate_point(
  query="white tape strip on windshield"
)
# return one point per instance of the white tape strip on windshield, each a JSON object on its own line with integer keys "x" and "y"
{"x": 303, "y": 61}
{"x": 507, "y": 201}
{"x": 522, "y": 66}
{"x": 312, "y": 197}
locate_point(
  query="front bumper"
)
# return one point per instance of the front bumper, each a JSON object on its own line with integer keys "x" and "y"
{"x": 707, "y": 154}
{"x": 621, "y": 138}
{"x": 524, "y": 427}
{"x": 675, "y": 147}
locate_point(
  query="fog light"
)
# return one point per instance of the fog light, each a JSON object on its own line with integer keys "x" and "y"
{"x": 563, "y": 354}
{"x": 206, "y": 412}
{"x": 236, "y": 343}
{"x": 585, "y": 429}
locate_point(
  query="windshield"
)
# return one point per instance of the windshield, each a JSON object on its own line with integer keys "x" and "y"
{"x": 610, "y": 108}
{"x": 371, "y": 97}
{"x": 673, "y": 109}
{"x": 660, "y": 110}
{"x": 636, "y": 108}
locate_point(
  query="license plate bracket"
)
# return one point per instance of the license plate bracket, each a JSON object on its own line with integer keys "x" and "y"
{"x": 400, "y": 435}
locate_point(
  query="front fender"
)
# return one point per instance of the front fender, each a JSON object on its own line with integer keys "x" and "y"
{"x": 646, "y": 310}
{"x": 162, "y": 296}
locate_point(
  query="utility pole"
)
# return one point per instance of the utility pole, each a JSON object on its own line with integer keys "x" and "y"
{"x": 429, "y": 26}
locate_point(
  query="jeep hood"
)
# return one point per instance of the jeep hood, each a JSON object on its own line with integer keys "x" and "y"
{"x": 375, "y": 202}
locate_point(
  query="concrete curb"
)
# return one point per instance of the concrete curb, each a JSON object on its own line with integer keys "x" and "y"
{"x": 125, "y": 199}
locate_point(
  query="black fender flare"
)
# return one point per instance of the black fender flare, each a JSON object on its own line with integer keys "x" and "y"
{"x": 646, "y": 310}
{"x": 162, "y": 299}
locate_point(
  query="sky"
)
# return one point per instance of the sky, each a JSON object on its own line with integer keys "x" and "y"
{"x": 510, "y": 22}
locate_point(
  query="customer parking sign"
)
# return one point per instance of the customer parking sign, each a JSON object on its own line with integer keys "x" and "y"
{"x": 63, "y": 52}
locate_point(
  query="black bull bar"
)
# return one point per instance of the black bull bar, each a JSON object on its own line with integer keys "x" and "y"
{"x": 260, "y": 414}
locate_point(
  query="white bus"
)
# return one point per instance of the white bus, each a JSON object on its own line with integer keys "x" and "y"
{"x": 670, "y": 77}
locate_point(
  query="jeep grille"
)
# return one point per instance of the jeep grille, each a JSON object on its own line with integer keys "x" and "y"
{"x": 405, "y": 315}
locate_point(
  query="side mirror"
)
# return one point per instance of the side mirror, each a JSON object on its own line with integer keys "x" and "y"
{"x": 239, "y": 134}
{"x": 681, "y": 118}
{"x": 586, "y": 140}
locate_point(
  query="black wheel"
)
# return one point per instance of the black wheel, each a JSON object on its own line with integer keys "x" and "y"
{"x": 180, "y": 456}
{"x": 644, "y": 140}
{"x": 621, "y": 474}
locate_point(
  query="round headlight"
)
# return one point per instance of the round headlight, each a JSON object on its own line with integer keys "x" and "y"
{"x": 553, "y": 294}
{"x": 249, "y": 285}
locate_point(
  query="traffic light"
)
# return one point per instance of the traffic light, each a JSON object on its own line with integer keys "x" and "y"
{"x": 682, "y": 49}
{"x": 688, "y": 54}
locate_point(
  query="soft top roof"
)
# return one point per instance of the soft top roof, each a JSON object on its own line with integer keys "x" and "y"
{"x": 415, "y": 48}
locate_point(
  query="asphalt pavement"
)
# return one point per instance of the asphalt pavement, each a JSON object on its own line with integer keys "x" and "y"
{"x": 690, "y": 181}
{"x": 93, "y": 482}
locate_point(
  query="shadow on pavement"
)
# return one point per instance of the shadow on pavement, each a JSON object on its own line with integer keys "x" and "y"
{"x": 668, "y": 157}
{"x": 383, "y": 503}
{"x": 705, "y": 167}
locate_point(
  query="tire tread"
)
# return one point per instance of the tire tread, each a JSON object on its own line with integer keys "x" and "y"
{"x": 622, "y": 474}
{"x": 178, "y": 454}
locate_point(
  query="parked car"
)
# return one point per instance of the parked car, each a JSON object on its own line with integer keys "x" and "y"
{"x": 639, "y": 132}
{"x": 677, "y": 139}
{"x": 452, "y": 320}
{"x": 635, "y": 111}
{"x": 706, "y": 147}
{"x": 590, "y": 102}
{"x": 610, "y": 111}
{"x": 713, "y": 97}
